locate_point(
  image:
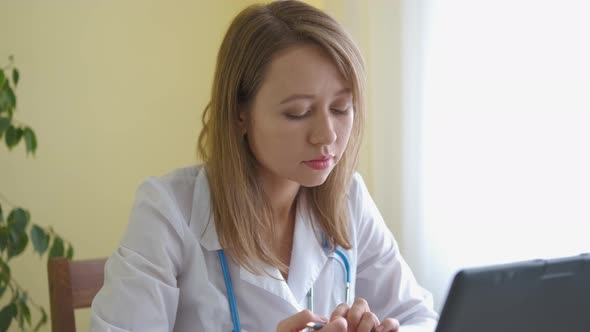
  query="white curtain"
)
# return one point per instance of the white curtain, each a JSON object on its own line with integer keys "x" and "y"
{"x": 496, "y": 133}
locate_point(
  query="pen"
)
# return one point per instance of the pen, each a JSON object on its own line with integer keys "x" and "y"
{"x": 315, "y": 326}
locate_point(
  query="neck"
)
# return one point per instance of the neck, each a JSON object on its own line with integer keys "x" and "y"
{"x": 282, "y": 195}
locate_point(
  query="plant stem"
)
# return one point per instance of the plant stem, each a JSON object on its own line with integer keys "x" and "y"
{"x": 2, "y": 197}
{"x": 29, "y": 298}
{"x": 22, "y": 124}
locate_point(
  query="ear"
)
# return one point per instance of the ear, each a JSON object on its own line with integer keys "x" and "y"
{"x": 243, "y": 120}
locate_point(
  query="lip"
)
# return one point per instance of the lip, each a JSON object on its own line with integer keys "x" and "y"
{"x": 320, "y": 163}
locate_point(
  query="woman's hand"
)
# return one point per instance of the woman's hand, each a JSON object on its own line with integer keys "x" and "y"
{"x": 299, "y": 322}
{"x": 361, "y": 319}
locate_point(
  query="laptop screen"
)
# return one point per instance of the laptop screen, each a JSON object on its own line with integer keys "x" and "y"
{"x": 536, "y": 296}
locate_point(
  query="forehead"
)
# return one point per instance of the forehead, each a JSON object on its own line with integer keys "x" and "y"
{"x": 301, "y": 69}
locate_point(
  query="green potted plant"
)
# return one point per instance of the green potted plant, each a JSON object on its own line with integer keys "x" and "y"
{"x": 16, "y": 229}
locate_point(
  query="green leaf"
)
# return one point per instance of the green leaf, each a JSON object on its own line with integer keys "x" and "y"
{"x": 7, "y": 98}
{"x": 18, "y": 239}
{"x": 2, "y": 77}
{"x": 42, "y": 321}
{"x": 25, "y": 297}
{"x": 6, "y": 316}
{"x": 21, "y": 321}
{"x": 4, "y": 123}
{"x": 1, "y": 215}
{"x": 11, "y": 96}
{"x": 30, "y": 140}
{"x": 26, "y": 312}
{"x": 19, "y": 133}
{"x": 40, "y": 239}
{"x": 4, "y": 272}
{"x": 12, "y": 136}
{"x": 70, "y": 253}
{"x": 57, "y": 249}
{"x": 15, "y": 76}
{"x": 18, "y": 220}
{"x": 17, "y": 247}
{"x": 15, "y": 295}
{"x": 4, "y": 234}
{"x": 5, "y": 105}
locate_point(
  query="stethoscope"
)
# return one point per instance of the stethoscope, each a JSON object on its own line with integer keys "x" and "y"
{"x": 233, "y": 307}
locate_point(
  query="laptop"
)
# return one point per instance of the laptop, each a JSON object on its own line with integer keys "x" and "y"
{"x": 531, "y": 296}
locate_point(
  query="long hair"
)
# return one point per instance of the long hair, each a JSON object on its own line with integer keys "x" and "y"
{"x": 240, "y": 209}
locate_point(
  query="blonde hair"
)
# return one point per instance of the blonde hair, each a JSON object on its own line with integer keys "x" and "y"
{"x": 240, "y": 209}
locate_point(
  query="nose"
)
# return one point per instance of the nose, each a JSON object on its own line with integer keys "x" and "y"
{"x": 323, "y": 132}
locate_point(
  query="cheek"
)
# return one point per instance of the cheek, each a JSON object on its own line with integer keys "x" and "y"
{"x": 343, "y": 131}
{"x": 274, "y": 139}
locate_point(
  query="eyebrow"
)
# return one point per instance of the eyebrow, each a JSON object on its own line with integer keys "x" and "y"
{"x": 307, "y": 96}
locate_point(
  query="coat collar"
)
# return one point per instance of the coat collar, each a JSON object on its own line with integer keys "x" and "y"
{"x": 308, "y": 257}
{"x": 201, "y": 219}
{"x": 307, "y": 261}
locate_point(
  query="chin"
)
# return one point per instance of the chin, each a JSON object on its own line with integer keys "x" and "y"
{"x": 315, "y": 180}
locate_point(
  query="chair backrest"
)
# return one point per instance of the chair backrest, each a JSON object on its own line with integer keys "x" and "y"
{"x": 72, "y": 285}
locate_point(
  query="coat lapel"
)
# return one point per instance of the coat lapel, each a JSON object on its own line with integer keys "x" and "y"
{"x": 307, "y": 256}
{"x": 271, "y": 281}
{"x": 201, "y": 219}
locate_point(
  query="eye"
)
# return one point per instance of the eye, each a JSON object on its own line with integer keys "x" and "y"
{"x": 341, "y": 110}
{"x": 297, "y": 116}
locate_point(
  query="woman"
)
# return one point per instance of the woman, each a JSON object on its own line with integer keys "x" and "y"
{"x": 274, "y": 231}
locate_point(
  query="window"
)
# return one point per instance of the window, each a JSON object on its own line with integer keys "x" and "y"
{"x": 497, "y": 133}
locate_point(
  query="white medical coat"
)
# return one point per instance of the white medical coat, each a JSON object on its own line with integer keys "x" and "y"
{"x": 166, "y": 274}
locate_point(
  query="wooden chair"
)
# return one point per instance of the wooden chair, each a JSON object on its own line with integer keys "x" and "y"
{"x": 72, "y": 285}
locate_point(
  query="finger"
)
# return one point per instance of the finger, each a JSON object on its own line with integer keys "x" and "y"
{"x": 298, "y": 321}
{"x": 368, "y": 322}
{"x": 340, "y": 311}
{"x": 388, "y": 325}
{"x": 339, "y": 324}
{"x": 355, "y": 313}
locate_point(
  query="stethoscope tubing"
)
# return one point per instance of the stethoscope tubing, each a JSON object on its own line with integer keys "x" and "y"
{"x": 235, "y": 315}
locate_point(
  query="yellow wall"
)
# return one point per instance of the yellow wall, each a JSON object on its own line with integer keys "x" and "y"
{"x": 114, "y": 91}
{"x": 376, "y": 27}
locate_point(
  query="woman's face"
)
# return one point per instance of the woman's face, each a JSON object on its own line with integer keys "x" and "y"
{"x": 299, "y": 122}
